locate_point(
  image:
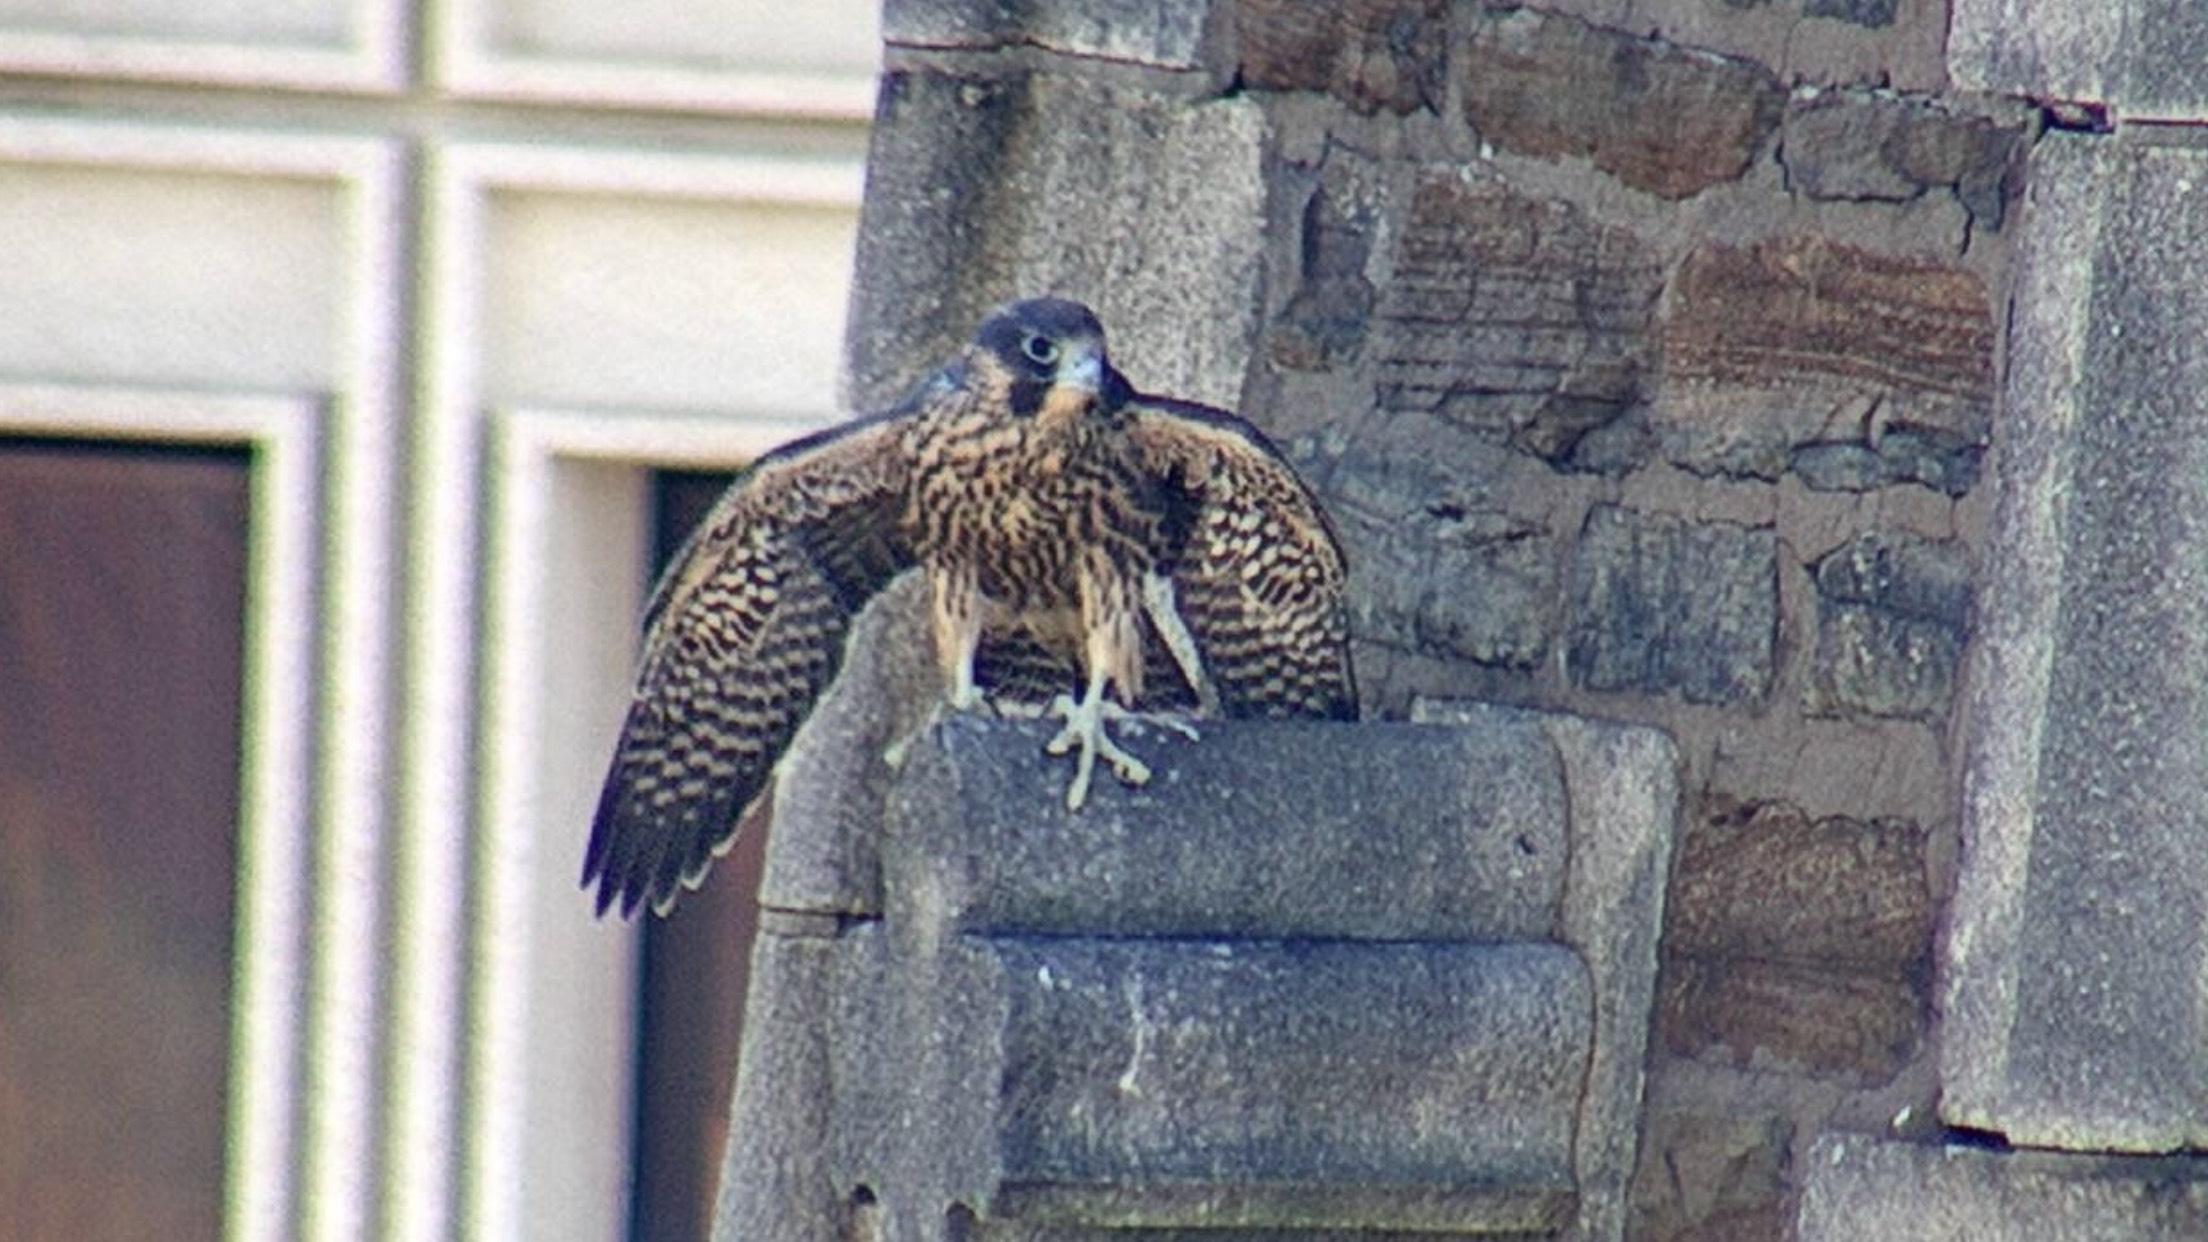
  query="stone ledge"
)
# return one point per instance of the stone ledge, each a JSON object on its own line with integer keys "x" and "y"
{"x": 1857, "y": 1186}
{"x": 1256, "y": 828}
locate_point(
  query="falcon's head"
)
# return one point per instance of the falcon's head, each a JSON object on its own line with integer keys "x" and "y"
{"x": 1048, "y": 353}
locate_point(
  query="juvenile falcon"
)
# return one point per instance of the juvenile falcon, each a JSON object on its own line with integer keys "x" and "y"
{"x": 1079, "y": 539}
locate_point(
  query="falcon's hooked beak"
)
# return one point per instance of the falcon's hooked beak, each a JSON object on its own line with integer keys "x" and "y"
{"x": 1082, "y": 368}
{"x": 1074, "y": 386}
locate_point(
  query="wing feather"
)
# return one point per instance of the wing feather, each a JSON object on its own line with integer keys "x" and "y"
{"x": 1258, "y": 572}
{"x": 744, "y": 631}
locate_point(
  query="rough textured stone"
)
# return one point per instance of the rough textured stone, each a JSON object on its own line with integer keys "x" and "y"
{"x": 1850, "y": 145}
{"x": 1855, "y": 1025}
{"x": 1514, "y": 317}
{"x": 1327, "y": 319}
{"x": 1025, "y": 1038}
{"x": 2140, "y": 57}
{"x": 1434, "y": 568}
{"x": 1798, "y": 942}
{"x": 1371, "y": 54}
{"x": 1857, "y": 12}
{"x": 1165, "y": 33}
{"x": 1712, "y": 1175}
{"x": 2077, "y": 976}
{"x": 1664, "y": 605}
{"x": 1658, "y": 117}
{"x": 980, "y": 191}
{"x": 1076, "y": 1081}
{"x": 1856, "y": 1186}
{"x": 1764, "y": 881}
{"x": 1786, "y": 352}
{"x": 1893, "y": 610}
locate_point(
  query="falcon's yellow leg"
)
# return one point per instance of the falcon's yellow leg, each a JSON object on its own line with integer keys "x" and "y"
{"x": 1085, "y": 726}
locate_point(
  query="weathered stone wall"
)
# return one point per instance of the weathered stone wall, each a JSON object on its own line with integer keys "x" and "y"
{"x": 1645, "y": 352}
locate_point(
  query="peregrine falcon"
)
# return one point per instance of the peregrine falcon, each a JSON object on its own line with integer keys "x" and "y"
{"x": 1080, "y": 539}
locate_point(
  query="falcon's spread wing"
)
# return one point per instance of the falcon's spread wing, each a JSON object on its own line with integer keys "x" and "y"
{"x": 743, "y": 633}
{"x": 1257, "y": 573}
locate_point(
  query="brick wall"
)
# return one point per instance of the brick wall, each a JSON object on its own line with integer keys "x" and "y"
{"x": 1646, "y": 354}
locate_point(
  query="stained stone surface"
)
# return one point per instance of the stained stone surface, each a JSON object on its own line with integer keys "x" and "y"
{"x": 1313, "y": 977}
{"x": 1854, "y": 369}
{"x": 1516, "y": 318}
{"x": 1862, "y": 146}
{"x": 1370, "y": 54}
{"x": 1659, "y": 117}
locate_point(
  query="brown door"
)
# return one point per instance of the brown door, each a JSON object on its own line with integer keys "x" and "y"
{"x": 122, "y": 606}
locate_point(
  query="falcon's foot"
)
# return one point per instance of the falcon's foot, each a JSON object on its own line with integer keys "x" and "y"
{"x": 1085, "y": 727}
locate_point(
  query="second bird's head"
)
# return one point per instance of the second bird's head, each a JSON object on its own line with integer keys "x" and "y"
{"x": 1049, "y": 354}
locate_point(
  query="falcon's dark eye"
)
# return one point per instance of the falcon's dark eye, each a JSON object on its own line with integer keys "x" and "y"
{"x": 1040, "y": 348}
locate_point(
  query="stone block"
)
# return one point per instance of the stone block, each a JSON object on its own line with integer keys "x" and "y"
{"x": 1517, "y": 318}
{"x": 1853, "y": 368}
{"x": 1872, "y": 13}
{"x": 1660, "y": 118}
{"x": 1883, "y": 148}
{"x": 1080, "y": 1082}
{"x": 835, "y": 779}
{"x": 1370, "y": 54}
{"x": 1768, "y": 882}
{"x": 1328, "y": 317}
{"x": 2139, "y": 58}
{"x": 1149, "y": 207}
{"x": 1665, "y": 605}
{"x": 1855, "y": 1186}
{"x": 1168, "y": 1012}
{"x": 1167, "y": 34}
{"x": 1893, "y": 610}
{"x": 2077, "y": 960}
{"x": 1434, "y": 567}
{"x": 1831, "y": 1021}
{"x": 1712, "y": 1170}
{"x": 777, "y": 1181}
{"x": 1798, "y": 942}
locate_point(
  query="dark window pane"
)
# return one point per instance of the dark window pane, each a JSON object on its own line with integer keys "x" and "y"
{"x": 696, "y": 968}
{"x": 122, "y": 600}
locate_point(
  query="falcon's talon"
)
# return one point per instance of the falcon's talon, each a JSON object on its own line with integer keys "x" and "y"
{"x": 1085, "y": 726}
{"x": 1170, "y": 722}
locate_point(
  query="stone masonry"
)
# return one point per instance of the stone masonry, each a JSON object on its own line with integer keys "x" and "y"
{"x": 1679, "y": 363}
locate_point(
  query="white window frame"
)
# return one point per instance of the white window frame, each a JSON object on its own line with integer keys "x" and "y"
{"x": 475, "y": 746}
{"x": 375, "y": 62}
{"x": 306, "y": 1065}
{"x": 468, "y": 63}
